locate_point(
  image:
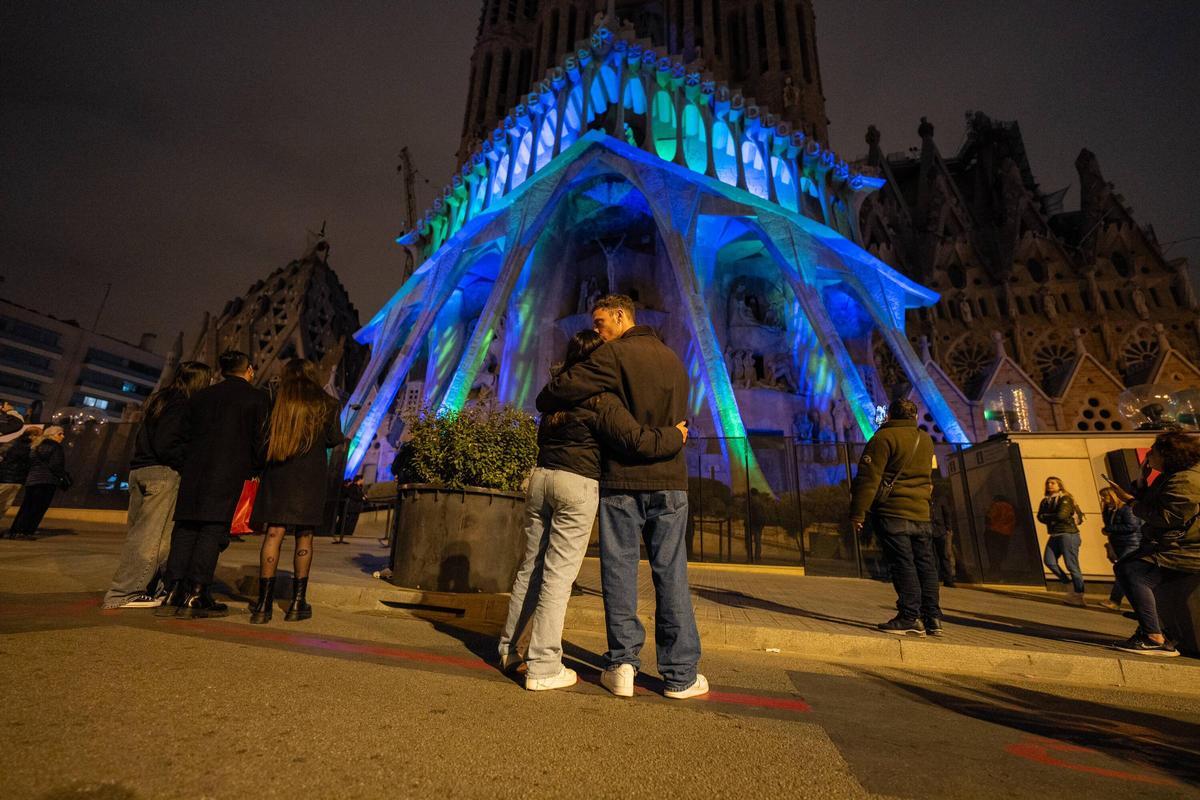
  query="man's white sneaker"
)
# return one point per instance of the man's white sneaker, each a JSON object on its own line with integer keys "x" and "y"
{"x": 619, "y": 679}
{"x": 141, "y": 601}
{"x": 566, "y": 677}
{"x": 698, "y": 687}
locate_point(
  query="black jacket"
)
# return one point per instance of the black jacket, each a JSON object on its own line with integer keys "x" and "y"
{"x": 1122, "y": 527}
{"x": 162, "y": 441}
{"x": 48, "y": 465}
{"x": 14, "y": 460}
{"x": 226, "y": 426}
{"x": 1058, "y": 515}
{"x": 651, "y": 382}
{"x": 899, "y": 447}
{"x": 571, "y": 440}
{"x": 293, "y": 492}
{"x": 10, "y": 423}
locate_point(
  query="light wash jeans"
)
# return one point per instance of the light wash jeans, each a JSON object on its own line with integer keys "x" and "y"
{"x": 659, "y": 519}
{"x": 1066, "y": 547}
{"x": 560, "y": 508}
{"x": 152, "y": 493}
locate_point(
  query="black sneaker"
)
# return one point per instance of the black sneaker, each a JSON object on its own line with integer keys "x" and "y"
{"x": 1139, "y": 643}
{"x": 933, "y": 627}
{"x": 903, "y": 627}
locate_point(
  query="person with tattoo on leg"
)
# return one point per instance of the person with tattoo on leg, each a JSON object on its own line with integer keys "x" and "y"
{"x": 291, "y": 497}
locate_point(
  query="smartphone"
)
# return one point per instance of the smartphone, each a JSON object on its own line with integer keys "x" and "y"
{"x": 1110, "y": 480}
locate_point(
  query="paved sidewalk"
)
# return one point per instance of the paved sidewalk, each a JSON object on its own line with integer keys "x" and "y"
{"x": 988, "y": 631}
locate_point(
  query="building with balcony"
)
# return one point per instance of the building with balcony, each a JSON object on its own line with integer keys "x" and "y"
{"x": 48, "y": 363}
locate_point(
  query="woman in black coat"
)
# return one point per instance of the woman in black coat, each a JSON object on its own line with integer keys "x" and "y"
{"x": 304, "y": 424}
{"x": 47, "y": 474}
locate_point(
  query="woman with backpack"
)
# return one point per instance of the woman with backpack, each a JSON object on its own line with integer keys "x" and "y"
{"x": 1061, "y": 516}
{"x": 159, "y": 449}
{"x": 291, "y": 497}
{"x": 47, "y": 474}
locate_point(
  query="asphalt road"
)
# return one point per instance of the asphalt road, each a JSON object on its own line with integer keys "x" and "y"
{"x": 122, "y": 705}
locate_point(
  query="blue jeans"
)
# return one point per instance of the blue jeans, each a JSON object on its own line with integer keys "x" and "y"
{"x": 658, "y": 519}
{"x": 908, "y": 550}
{"x": 1139, "y": 579}
{"x": 1117, "y": 594}
{"x": 560, "y": 508}
{"x": 1066, "y": 547}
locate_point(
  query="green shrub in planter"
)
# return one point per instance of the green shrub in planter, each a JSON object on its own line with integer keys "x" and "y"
{"x": 493, "y": 447}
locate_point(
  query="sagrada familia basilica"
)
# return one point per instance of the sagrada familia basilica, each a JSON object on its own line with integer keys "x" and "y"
{"x": 676, "y": 151}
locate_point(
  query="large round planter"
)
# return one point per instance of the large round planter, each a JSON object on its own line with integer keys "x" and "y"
{"x": 457, "y": 540}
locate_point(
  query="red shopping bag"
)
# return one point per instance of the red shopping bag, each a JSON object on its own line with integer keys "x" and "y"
{"x": 245, "y": 504}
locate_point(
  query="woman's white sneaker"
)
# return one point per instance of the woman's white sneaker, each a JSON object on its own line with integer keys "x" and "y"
{"x": 566, "y": 677}
{"x": 619, "y": 679}
{"x": 698, "y": 687}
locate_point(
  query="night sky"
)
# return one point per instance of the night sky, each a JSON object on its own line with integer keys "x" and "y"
{"x": 180, "y": 151}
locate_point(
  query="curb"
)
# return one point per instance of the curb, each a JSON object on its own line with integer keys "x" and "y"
{"x": 927, "y": 655}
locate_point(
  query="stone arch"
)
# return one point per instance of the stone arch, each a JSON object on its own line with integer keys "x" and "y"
{"x": 1138, "y": 353}
{"x": 968, "y": 360}
{"x": 1054, "y": 356}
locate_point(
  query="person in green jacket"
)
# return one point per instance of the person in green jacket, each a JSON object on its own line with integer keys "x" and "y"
{"x": 893, "y": 486}
{"x": 1170, "y": 512}
{"x": 1061, "y": 516}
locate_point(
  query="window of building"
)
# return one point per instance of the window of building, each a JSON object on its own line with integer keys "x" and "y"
{"x": 572, "y": 34}
{"x": 698, "y": 23}
{"x": 485, "y": 83}
{"x": 716, "y": 21}
{"x": 101, "y": 358}
{"x": 803, "y": 28}
{"x": 25, "y": 332}
{"x": 25, "y": 359}
{"x": 21, "y": 384}
{"x": 502, "y": 93}
{"x": 760, "y": 32}
{"x": 94, "y": 402}
{"x": 531, "y": 7}
{"x": 524, "y": 71}
{"x": 553, "y": 42}
{"x": 1121, "y": 264}
{"x": 785, "y": 52}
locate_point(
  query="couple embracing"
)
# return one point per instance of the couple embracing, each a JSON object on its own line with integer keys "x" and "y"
{"x": 611, "y": 437}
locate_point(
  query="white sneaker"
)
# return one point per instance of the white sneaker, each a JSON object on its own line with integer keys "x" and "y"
{"x": 619, "y": 679}
{"x": 141, "y": 601}
{"x": 698, "y": 687}
{"x": 565, "y": 677}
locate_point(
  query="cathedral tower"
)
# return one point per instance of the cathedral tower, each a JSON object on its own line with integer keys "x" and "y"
{"x": 768, "y": 48}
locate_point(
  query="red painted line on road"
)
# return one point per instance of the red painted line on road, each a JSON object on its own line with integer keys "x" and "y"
{"x": 1037, "y": 751}
{"x": 340, "y": 646}
{"x": 758, "y": 701}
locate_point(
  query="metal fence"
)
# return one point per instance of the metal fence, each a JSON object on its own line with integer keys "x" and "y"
{"x": 803, "y": 520}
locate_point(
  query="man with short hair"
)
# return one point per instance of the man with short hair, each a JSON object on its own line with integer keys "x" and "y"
{"x": 641, "y": 500}
{"x": 226, "y": 426}
{"x": 893, "y": 486}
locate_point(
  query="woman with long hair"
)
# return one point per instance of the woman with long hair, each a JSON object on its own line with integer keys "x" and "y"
{"x": 1170, "y": 512}
{"x": 560, "y": 506}
{"x": 159, "y": 449}
{"x": 291, "y": 497}
{"x": 47, "y": 474}
{"x": 1124, "y": 532}
{"x": 1061, "y": 516}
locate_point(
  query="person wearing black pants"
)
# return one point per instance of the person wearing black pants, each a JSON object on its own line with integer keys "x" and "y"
{"x": 47, "y": 472}
{"x": 226, "y": 426}
{"x": 893, "y": 486}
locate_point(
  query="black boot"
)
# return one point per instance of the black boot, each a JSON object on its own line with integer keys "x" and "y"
{"x": 299, "y": 609}
{"x": 199, "y": 604}
{"x": 172, "y": 601}
{"x": 260, "y": 611}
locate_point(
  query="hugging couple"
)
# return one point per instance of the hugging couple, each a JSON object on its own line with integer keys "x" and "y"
{"x": 611, "y": 436}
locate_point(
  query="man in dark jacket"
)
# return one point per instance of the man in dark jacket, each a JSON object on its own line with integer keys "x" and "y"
{"x": 226, "y": 426}
{"x": 893, "y": 485}
{"x": 641, "y": 500}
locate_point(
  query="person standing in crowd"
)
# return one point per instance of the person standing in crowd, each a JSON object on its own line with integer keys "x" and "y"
{"x": 354, "y": 496}
{"x": 893, "y": 486}
{"x": 14, "y": 466}
{"x": 11, "y": 422}
{"x": 1170, "y": 512}
{"x": 943, "y": 542}
{"x": 225, "y": 425}
{"x": 291, "y": 498}
{"x": 159, "y": 450}
{"x": 560, "y": 507}
{"x": 1124, "y": 532}
{"x": 1061, "y": 516}
{"x": 47, "y": 474}
{"x": 642, "y": 500}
